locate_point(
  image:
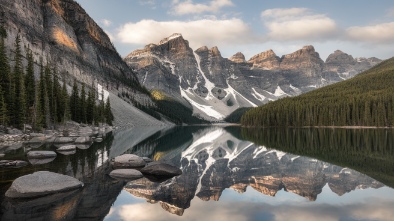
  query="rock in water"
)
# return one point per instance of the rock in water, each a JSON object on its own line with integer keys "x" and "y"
{"x": 127, "y": 174}
{"x": 67, "y": 148}
{"x": 161, "y": 169}
{"x": 12, "y": 163}
{"x": 41, "y": 183}
{"x": 128, "y": 161}
{"x": 83, "y": 140}
{"x": 40, "y": 154}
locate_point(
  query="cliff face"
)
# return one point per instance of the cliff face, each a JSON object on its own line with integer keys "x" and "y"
{"x": 62, "y": 33}
{"x": 216, "y": 86}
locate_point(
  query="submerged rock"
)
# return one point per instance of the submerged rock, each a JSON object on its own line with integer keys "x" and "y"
{"x": 161, "y": 169}
{"x": 67, "y": 148}
{"x": 127, "y": 174}
{"x": 83, "y": 140}
{"x": 128, "y": 161}
{"x": 64, "y": 140}
{"x": 13, "y": 163}
{"x": 41, "y": 183}
{"x": 40, "y": 154}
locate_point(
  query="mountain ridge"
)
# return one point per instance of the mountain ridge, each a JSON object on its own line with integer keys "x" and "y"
{"x": 215, "y": 86}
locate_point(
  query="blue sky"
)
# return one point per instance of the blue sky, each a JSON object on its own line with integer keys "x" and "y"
{"x": 362, "y": 28}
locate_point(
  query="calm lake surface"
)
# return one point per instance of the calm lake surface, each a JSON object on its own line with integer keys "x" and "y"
{"x": 229, "y": 173}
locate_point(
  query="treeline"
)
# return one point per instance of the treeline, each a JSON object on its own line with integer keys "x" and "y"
{"x": 365, "y": 100}
{"x": 43, "y": 103}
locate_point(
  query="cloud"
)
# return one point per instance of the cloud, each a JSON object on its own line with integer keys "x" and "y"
{"x": 106, "y": 22}
{"x": 380, "y": 33}
{"x": 188, "y": 7}
{"x": 198, "y": 33}
{"x": 294, "y": 24}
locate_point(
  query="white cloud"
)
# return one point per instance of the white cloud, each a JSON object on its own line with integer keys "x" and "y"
{"x": 188, "y": 7}
{"x": 198, "y": 33}
{"x": 294, "y": 24}
{"x": 106, "y": 22}
{"x": 379, "y": 33}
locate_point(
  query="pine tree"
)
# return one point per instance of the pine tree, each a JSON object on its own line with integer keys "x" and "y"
{"x": 66, "y": 112}
{"x": 49, "y": 89}
{"x": 5, "y": 77}
{"x": 3, "y": 109}
{"x": 74, "y": 103}
{"x": 109, "y": 117}
{"x": 90, "y": 106}
{"x": 42, "y": 100}
{"x": 83, "y": 104}
{"x": 19, "y": 107}
{"x": 58, "y": 102}
{"x": 30, "y": 86}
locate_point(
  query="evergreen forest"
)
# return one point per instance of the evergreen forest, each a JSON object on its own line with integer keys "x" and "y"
{"x": 365, "y": 100}
{"x": 43, "y": 103}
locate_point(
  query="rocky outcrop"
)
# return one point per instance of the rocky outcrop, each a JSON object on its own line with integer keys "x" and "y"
{"x": 238, "y": 58}
{"x": 266, "y": 60}
{"x": 305, "y": 60}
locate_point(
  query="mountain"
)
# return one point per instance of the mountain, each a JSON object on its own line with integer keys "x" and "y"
{"x": 62, "y": 34}
{"x": 365, "y": 100}
{"x": 215, "y": 86}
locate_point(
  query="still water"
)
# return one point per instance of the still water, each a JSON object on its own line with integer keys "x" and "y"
{"x": 229, "y": 173}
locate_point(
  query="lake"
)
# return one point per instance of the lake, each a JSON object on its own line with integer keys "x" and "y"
{"x": 229, "y": 173}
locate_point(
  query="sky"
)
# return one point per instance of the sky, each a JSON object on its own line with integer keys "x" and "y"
{"x": 361, "y": 28}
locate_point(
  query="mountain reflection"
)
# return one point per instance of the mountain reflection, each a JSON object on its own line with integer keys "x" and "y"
{"x": 214, "y": 160}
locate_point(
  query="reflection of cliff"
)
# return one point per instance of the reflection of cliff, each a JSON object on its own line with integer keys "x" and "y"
{"x": 216, "y": 160}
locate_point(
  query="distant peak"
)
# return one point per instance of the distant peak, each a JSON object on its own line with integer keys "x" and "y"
{"x": 263, "y": 55}
{"x": 215, "y": 51}
{"x": 308, "y": 48}
{"x": 238, "y": 58}
{"x": 171, "y": 37}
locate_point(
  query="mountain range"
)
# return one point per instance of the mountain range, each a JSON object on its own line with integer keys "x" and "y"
{"x": 210, "y": 87}
{"x": 215, "y": 86}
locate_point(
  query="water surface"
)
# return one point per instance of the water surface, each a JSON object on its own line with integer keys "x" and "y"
{"x": 228, "y": 174}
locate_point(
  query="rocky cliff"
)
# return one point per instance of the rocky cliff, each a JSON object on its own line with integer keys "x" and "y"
{"x": 215, "y": 86}
{"x": 61, "y": 33}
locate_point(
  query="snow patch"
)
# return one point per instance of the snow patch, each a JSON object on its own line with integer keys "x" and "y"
{"x": 101, "y": 90}
{"x": 279, "y": 154}
{"x": 208, "y": 84}
{"x": 206, "y": 109}
{"x": 258, "y": 96}
{"x": 295, "y": 89}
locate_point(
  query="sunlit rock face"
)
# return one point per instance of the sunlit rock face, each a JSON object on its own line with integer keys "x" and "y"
{"x": 216, "y": 160}
{"x": 216, "y": 86}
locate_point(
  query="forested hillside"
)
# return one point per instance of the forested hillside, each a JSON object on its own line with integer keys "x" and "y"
{"x": 43, "y": 103}
{"x": 365, "y": 100}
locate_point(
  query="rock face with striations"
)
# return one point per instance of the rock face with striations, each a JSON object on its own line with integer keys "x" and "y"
{"x": 215, "y": 86}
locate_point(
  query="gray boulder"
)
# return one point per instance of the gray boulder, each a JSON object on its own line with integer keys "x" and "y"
{"x": 64, "y": 140}
{"x": 40, "y": 154}
{"x": 161, "y": 169}
{"x": 41, "y": 183}
{"x": 83, "y": 140}
{"x": 12, "y": 163}
{"x": 98, "y": 140}
{"x": 67, "y": 148}
{"x": 83, "y": 147}
{"x": 126, "y": 174}
{"x": 128, "y": 161}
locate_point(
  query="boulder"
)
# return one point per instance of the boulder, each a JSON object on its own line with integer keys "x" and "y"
{"x": 38, "y": 161}
{"x": 13, "y": 163}
{"x": 40, "y": 154}
{"x": 67, "y": 148}
{"x": 128, "y": 161}
{"x": 98, "y": 140}
{"x": 83, "y": 140}
{"x": 161, "y": 169}
{"x": 126, "y": 174}
{"x": 64, "y": 140}
{"x": 83, "y": 147}
{"x": 41, "y": 183}
{"x": 37, "y": 140}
